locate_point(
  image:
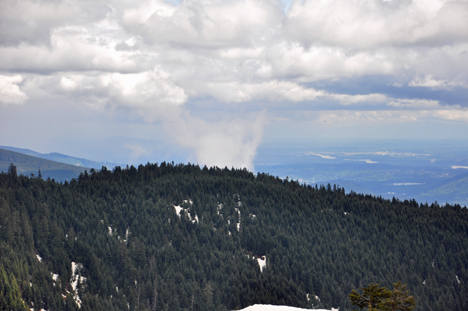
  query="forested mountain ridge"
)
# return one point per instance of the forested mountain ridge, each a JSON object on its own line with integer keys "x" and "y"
{"x": 181, "y": 237}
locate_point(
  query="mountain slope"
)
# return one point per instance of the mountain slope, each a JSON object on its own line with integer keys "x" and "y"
{"x": 58, "y": 157}
{"x": 27, "y": 165}
{"x": 175, "y": 237}
{"x": 454, "y": 190}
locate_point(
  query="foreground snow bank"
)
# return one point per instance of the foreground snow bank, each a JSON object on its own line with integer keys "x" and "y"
{"x": 276, "y": 308}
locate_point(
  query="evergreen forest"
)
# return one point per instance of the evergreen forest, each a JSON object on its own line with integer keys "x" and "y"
{"x": 181, "y": 237}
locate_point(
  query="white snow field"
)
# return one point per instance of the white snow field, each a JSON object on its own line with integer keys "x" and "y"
{"x": 278, "y": 308}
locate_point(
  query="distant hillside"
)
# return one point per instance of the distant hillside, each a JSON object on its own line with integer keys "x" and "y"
{"x": 27, "y": 165}
{"x": 62, "y": 158}
{"x": 454, "y": 190}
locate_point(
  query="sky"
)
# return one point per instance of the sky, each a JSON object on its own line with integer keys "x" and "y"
{"x": 211, "y": 80}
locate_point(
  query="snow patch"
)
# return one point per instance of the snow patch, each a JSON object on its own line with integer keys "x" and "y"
{"x": 110, "y": 230}
{"x": 54, "y": 277}
{"x": 262, "y": 262}
{"x": 178, "y": 208}
{"x": 127, "y": 234}
{"x": 239, "y": 223}
{"x": 278, "y": 308}
{"x": 75, "y": 279}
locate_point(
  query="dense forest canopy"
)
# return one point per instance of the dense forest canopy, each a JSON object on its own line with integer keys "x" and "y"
{"x": 181, "y": 237}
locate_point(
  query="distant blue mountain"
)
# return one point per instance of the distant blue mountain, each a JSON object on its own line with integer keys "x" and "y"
{"x": 30, "y": 166}
{"x": 62, "y": 158}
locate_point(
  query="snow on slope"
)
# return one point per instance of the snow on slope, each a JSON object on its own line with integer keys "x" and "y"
{"x": 278, "y": 308}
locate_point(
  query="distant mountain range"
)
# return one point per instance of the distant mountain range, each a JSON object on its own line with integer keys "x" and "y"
{"x": 28, "y": 165}
{"x": 62, "y": 158}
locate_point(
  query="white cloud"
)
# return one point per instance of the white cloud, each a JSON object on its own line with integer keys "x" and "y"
{"x": 10, "y": 92}
{"x": 290, "y": 60}
{"x": 210, "y": 24}
{"x": 72, "y": 49}
{"x": 430, "y": 82}
{"x": 346, "y": 99}
{"x": 267, "y": 91}
{"x": 414, "y": 103}
{"x": 452, "y": 114}
{"x": 149, "y": 93}
{"x": 365, "y": 24}
{"x": 31, "y": 22}
{"x": 359, "y": 117}
{"x": 427, "y": 81}
{"x": 350, "y": 117}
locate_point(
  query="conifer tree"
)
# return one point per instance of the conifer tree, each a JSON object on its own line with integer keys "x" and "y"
{"x": 400, "y": 299}
{"x": 374, "y": 297}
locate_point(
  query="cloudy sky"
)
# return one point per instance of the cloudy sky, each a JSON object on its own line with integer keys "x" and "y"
{"x": 212, "y": 79}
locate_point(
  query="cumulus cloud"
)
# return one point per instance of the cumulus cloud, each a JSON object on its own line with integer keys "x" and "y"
{"x": 32, "y": 22}
{"x": 365, "y": 24}
{"x": 148, "y": 93}
{"x": 204, "y": 24}
{"x": 72, "y": 48}
{"x": 430, "y": 82}
{"x": 266, "y": 91}
{"x": 10, "y": 92}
